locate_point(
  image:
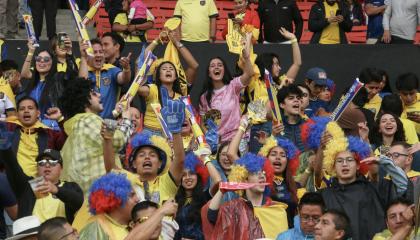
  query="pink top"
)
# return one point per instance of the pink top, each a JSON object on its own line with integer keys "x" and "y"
{"x": 140, "y": 9}
{"x": 226, "y": 100}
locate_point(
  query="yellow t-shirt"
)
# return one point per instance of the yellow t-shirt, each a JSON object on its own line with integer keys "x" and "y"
{"x": 374, "y": 104}
{"x": 48, "y": 207}
{"x": 195, "y": 15}
{"x": 412, "y": 108}
{"x": 273, "y": 219}
{"x": 330, "y": 34}
{"x": 150, "y": 118}
{"x": 410, "y": 131}
{"x": 7, "y": 90}
{"x": 27, "y": 153}
{"x": 161, "y": 189}
{"x": 122, "y": 19}
{"x": 62, "y": 67}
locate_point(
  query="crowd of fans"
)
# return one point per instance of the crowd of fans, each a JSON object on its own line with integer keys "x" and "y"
{"x": 86, "y": 153}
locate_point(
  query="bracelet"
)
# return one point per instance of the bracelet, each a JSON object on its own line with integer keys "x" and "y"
{"x": 127, "y": 70}
{"x": 28, "y": 61}
{"x": 60, "y": 119}
{"x": 155, "y": 42}
{"x": 294, "y": 40}
{"x": 308, "y": 171}
{"x": 242, "y": 129}
{"x": 30, "y": 54}
{"x": 206, "y": 161}
{"x": 180, "y": 45}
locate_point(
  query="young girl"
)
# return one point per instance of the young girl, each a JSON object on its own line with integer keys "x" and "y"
{"x": 191, "y": 198}
{"x": 222, "y": 92}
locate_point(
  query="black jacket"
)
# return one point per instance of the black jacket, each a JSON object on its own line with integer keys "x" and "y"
{"x": 364, "y": 203}
{"x": 317, "y": 21}
{"x": 274, "y": 16}
{"x": 70, "y": 193}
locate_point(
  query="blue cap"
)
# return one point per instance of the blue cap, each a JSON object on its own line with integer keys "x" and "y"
{"x": 318, "y": 75}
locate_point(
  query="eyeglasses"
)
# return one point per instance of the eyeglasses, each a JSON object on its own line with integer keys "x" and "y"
{"x": 51, "y": 162}
{"x": 341, "y": 161}
{"x": 74, "y": 232}
{"x": 42, "y": 59}
{"x": 396, "y": 155}
{"x": 307, "y": 218}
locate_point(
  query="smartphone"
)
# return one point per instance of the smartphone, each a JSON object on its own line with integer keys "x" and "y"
{"x": 338, "y": 12}
{"x": 61, "y": 36}
{"x": 231, "y": 15}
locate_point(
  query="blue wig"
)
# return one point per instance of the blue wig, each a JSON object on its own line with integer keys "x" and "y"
{"x": 315, "y": 132}
{"x": 253, "y": 163}
{"x": 191, "y": 161}
{"x": 356, "y": 145}
{"x": 108, "y": 193}
{"x": 288, "y": 146}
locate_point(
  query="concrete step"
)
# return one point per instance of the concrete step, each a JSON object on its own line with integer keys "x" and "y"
{"x": 64, "y": 23}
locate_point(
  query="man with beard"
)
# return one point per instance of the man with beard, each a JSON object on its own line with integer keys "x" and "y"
{"x": 372, "y": 78}
{"x": 51, "y": 197}
{"x": 329, "y": 20}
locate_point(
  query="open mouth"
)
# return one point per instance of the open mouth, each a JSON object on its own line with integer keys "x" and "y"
{"x": 296, "y": 106}
{"x": 147, "y": 165}
{"x": 345, "y": 171}
{"x": 276, "y": 164}
{"x": 217, "y": 72}
{"x": 26, "y": 117}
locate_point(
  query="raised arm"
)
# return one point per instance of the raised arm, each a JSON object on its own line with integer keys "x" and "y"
{"x": 83, "y": 68}
{"x": 173, "y": 112}
{"x": 233, "y": 147}
{"x": 26, "y": 73}
{"x": 191, "y": 71}
{"x": 125, "y": 76}
{"x": 297, "y": 58}
{"x": 144, "y": 230}
{"x": 248, "y": 70}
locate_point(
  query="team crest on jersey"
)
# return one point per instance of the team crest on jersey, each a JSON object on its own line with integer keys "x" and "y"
{"x": 202, "y": 2}
{"x": 106, "y": 81}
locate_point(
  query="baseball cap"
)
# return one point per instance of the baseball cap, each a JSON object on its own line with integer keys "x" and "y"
{"x": 318, "y": 75}
{"x": 53, "y": 154}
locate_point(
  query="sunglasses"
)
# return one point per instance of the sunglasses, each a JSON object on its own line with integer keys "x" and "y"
{"x": 42, "y": 59}
{"x": 51, "y": 162}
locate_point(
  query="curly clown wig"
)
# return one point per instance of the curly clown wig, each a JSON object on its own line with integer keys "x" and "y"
{"x": 360, "y": 150}
{"x": 313, "y": 130}
{"x": 251, "y": 163}
{"x": 156, "y": 142}
{"x": 193, "y": 164}
{"x": 292, "y": 152}
{"x": 108, "y": 193}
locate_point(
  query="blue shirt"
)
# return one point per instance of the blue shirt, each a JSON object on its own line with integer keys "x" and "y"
{"x": 36, "y": 94}
{"x": 375, "y": 28}
{"x": 108, "y": 88}
{"x": 294, "y": 233}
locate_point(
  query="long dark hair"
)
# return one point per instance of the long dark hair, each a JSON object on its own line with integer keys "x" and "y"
{"x": 176, "y": 86}
{"x": 198, "y": 201}
{"x": 227, "y": 77}
{"x": 387, "y": 87}
{"x": 49, "y": 80}
{"x": 375, "y": 136}
{"x": 265, "y": 61}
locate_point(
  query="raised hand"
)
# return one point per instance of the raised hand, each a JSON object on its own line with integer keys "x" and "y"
{"x": 286, "y": 33}
{"x": 53, "y": 113}
{"x": 246, "y": 52}
{"x": 125, "y": 62}
{"x": 173, "y": 112}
